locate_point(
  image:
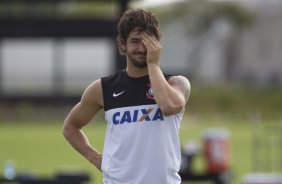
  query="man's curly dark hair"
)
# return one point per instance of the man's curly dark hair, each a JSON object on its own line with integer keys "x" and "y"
{"x": 141, "y": 19}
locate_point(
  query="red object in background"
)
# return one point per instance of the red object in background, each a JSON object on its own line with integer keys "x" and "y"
{"x": 216, "y": 150}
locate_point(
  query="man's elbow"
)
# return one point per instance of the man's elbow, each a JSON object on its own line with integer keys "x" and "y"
{"x": 66, "y": 129}
{"x": 170, "y": 109}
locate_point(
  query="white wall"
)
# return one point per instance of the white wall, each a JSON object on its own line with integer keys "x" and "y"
{"x": 28, "y": 64}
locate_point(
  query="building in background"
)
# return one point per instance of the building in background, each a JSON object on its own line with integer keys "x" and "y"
{"x": 56, "y": 48}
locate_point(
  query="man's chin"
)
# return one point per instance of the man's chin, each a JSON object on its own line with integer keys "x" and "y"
{"x": 140, "y": 64}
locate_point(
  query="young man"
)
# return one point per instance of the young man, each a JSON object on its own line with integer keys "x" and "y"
{"x": 143, "y": 109}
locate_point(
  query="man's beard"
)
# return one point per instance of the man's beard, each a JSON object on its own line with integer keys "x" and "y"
{"x": 135, "y": 62}
{"x": 138, "y": 64}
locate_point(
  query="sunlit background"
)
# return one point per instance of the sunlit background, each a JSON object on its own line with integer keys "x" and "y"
{"x": 230, "y": 50}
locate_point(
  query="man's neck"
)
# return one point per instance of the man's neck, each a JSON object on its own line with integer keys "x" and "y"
{"x": 136, "y": 72}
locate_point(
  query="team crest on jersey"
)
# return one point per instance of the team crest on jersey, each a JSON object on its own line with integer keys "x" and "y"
{"x": 149, "y": 93}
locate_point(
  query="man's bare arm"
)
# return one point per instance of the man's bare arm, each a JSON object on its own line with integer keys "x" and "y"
{"x": 79, "y": 116}
{"x": 170, "y": 96}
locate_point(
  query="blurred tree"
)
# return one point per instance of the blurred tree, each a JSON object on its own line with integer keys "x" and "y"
{"x": 201, "y": 16}
{"x": 37, "y": 9}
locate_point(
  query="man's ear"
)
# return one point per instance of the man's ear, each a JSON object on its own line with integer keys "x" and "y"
{"x": 123, "y": 46}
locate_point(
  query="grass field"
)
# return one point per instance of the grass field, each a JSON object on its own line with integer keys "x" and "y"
{"x": 38, "y": 147}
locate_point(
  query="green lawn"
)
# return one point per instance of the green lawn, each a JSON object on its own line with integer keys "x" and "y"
{"x": 40, "y": 148}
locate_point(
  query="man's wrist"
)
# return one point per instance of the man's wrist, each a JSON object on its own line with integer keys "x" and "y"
{"x": 96, "y": 159}
{"x": 153, "y": 64}
{"x": 94, "y": 156}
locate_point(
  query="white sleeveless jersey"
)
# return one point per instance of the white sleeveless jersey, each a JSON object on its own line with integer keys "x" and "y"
{"x": 141, "y": 144}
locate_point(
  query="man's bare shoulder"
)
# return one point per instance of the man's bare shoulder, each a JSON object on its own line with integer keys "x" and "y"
{"x": 182, "y": 83}
{"x": 93, "y": 93}
{"x": 94, "y": 86}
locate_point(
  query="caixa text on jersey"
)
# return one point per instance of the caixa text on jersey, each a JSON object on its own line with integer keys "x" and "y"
{"x": 137, "y": 115}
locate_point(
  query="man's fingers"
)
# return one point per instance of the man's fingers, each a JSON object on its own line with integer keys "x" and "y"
{"x": 150, "y": 41}
{"x": 149, "y": 38}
